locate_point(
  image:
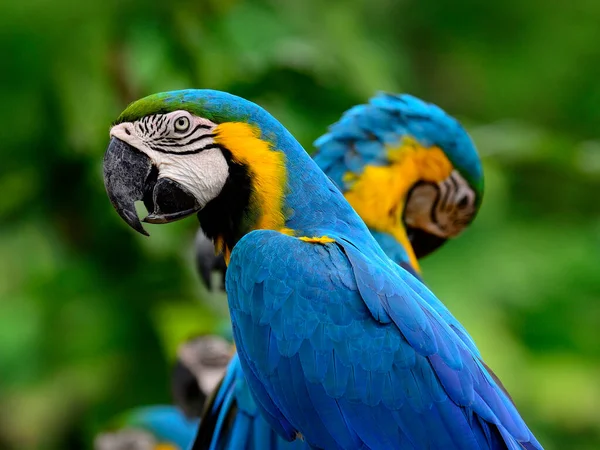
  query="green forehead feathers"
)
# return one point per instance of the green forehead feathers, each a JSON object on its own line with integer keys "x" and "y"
{"x": 208, "y": 104}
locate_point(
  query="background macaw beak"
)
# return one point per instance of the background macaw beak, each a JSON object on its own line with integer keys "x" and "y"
{"x": 130, "y": 176}
{"x": 423, "y": 242}
{"x": 207, "y": 262}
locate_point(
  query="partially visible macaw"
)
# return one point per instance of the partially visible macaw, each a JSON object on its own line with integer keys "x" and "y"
{"x": 340, "y": 346}
{"x": 408, "y": 169}
{"x": 149, "y": 428}
{"x": 200, "y": 365}
{"x": 436, "y": 208}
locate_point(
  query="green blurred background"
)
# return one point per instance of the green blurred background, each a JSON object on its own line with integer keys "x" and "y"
{"x": 91, "y": 313}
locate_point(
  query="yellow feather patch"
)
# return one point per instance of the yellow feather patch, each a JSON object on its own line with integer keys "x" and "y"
{"x": 267, "y": 171}
{"x": 164, "y": 446}
{"x": 425, "y": 163}
{"x": 317, "y": 240}
{"x": 266, "y": 165}
{"x": 287, "y": 231}
{"x": 227, "y": 255}
{"x": 219, "y": 244}
{"x": 379, "y": 193}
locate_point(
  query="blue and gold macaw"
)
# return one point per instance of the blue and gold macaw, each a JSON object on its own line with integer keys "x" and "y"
{"x": 408, "y": 169}
{"x": 340, "y": 346}
{"x": 149, "y": 428}
{"x": 438, "y": 203}
{"x": 201, "y": 363}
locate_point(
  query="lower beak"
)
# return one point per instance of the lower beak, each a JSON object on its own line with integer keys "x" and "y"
{"x": 423, "y": 242}
{"x": 170, "y": 202}
{"x": 130, "y": 176}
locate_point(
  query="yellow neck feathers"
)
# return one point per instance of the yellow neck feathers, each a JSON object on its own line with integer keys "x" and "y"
{"x": 378, "y": 195}
{"x": 267, "y": 172}
{"x": 164, "y": 446}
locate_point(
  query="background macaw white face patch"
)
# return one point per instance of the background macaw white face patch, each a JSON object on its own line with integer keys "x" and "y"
{"x": 443, "y": 209}
{"x": 129, "y": 439}
{"x": 207, "y": 358}
{"x": 183, "y": 149}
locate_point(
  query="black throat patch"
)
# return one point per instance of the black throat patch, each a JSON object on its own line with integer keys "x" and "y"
{"x": 226, "y": 216}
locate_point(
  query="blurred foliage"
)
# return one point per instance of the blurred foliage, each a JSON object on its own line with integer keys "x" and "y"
{"x": 90, "y": 313}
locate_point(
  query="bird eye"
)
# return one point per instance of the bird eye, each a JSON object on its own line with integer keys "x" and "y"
{"x": 462, "y": 203}
{"x": 182, "y": 124}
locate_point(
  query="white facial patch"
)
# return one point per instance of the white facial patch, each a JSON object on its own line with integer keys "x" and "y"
{"x": 207, "y": 358}
{"x": 183, "y": 149}
{"x": 443, "y": 209}
{"x": 204, "y": 174}
{"x": 129, "y": 439}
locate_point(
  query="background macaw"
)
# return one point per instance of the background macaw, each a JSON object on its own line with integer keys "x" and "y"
{"x": 346, "y": 154}
{"x": 149, "y": 428}
{"x": 208, "y": 262}
{"x": 340, "y": 346}
{"x": 200, "y": 365}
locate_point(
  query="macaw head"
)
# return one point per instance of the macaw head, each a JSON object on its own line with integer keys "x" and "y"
{"x": 164, "y": 150}
{"x": 149, "y": 428}
{"x": 205, "y": 152}
{"x": 201, "y": 363}
{"x": 409, "y": 169}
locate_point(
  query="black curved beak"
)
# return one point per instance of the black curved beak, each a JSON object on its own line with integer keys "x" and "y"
{"x": 423, "y": 242}
{"x": 130, "y": 176}
{"x": 125, "y": 174}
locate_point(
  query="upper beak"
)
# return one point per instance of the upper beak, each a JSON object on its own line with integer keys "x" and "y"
{"x": 125, "y": 174}
{"x": 130, "y": 176}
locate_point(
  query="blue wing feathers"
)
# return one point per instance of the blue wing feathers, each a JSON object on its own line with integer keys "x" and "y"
{"x": 314, "y": 362}
{"x": 362, "y": 344}
{"x": 391, "y": 302}
{"x": 240, "y": 431}
{"x": 226, "y": 385}
{"x": 228, "y": 400}
{"x": 337, "y": 376}
{"x": 428, "y": 297}
{"x": 328, "y": 410}
{"x": 373, "y": 433}
{"x": 249, "y": 430}
{"x": 268, "y": 410}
